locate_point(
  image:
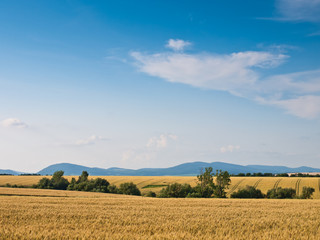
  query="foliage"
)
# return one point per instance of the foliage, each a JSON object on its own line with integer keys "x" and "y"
{"x": 93, "y": 185}
{"x": 129, "y": 189}
{"x": 307, "y": 192}
{"x": 176, "y": 190}
{"x": 113, "y": 189}
{"x": 281, "y": 193}
{"x": 56, "y": 182}
{"x": 222, "y": 182}
{"x": 205, "y": 187}
{"x": 150, "y": 194}
{"x": 248, "y": 192}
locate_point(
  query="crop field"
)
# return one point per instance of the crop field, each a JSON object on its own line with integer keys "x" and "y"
{"x": 52, "y": 214}
{"x": 149, "y": 183}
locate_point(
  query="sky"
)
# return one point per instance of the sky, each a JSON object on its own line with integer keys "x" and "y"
{"x": 137, "y": 84}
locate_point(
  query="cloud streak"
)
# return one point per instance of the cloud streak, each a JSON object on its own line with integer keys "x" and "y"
{"x": 177, "y": 44}
{"x": 298, "y": 10}
{"x": 90, "y": 140}
{"x": 161, "y": 141}
{"x": 239, "y": 73}
{"x": 13, "y": 123}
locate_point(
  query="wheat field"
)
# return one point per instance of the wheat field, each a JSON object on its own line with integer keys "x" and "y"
{"x": 53, "y": 214}
{"x": 150, "y": 183}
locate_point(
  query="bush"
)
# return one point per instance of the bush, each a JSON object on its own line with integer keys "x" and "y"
{"x": 281, "y": 193}
{"x": 129, "y": 189}
{"x": 150, "y": 194}
{"x": 56, "y": 182}
{"x": 306, "y": 192}
{"x": 113, "y": 189}
{"x": 248, "y": 192}
{"x": 176, "y": 190}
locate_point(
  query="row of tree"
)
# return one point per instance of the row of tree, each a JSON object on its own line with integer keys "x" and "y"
{"x": 275, "y": 193}
{"x": 205, "y": 188}
{"x": 259, "y": 174}
{"x": 83, "y": 183}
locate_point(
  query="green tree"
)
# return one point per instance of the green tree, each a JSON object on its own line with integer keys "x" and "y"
{"x": 205, "y": 187}
{"x": 307, "y": 192}
{"x": 248, "y": 192}
{"x": 176, "y": 190}
{"x": 58, "y": 181}
{"x": 222, "y": 183}
{"x": 44, "y": 183}
{"x": 150, "y": 194}
{"x": 281, "y": 193}
{"x": 129, "y": 189}
{"x": 113, "y": 189}
{"x": 83, "y": 177}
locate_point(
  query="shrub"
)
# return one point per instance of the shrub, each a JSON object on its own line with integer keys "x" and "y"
{"x": 150, "y": 194}
{"x": 307, "y": 192}
{"x": 176, "y": 190}
{"x": 248, "y": 192}
{"x": 281, "y": 193}
{"x": 113, "y": 189}
{"x": 129, "y": 189}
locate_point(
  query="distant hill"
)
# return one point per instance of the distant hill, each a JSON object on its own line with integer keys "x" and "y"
{"x": 8, "y": 171}
{"x": 186, "y": 169}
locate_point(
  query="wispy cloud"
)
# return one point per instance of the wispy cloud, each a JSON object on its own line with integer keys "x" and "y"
{"x": 218, "y": 72}
{"x": 161, "y": 141}
{"x": 229, "y": 148}
{"x": 13, "y": 123}
{"x": 298, "y": 10}
{"x": 149, "y": 152}
{"x": 90, "y": 140}
{"x": 239, "y": 74}
{"x": 177, "y": 44}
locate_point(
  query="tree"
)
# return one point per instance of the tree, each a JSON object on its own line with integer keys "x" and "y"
{"x": 56, "y": 182}
{"x": 205, "y": 187}
{"x": 113, "y": 189}
{"x": 83, "y": 177}
{"x": 59, "y": 182}
{"x": 150, "y": 194}
{"x": 281, "y": 193}
{"x": 44, "y": 183}
{"x": 307, "y": 192}
{"x": 176, "y": 190}
{"x": 248, "y": 192}
{"x": 222, "y": 182}
{"x": 129, "y": 189}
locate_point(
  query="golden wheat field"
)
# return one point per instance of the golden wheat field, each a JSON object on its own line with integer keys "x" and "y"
{"x": 149, "y": 183}
{"x": 53, "y": 214}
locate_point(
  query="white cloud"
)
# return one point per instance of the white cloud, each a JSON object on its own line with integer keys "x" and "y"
{"x": 161, "y": 141}
{"x": 218, "y": 72}
{"x": 13, "y": 123}
{"x": 239, "y": 74}
{"x": 304, "y": 106}
{"x": 90, "y": 140}
{"x": 298, "y": 10}
{"x": 229, "y": 148}
{"x": 155, "y": 147}
{"x": 294, "y": 83}
{"x": 177, "y": 44}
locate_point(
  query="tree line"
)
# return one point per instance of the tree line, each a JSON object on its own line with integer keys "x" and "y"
{"x": 259, "y": 174}
{"x": 275, "y": 193}
{"x": 206, "y": 186}
{"x": 83, "y": 183}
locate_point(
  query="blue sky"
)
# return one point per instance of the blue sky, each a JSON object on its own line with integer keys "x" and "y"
{"x": 158, "y": 83}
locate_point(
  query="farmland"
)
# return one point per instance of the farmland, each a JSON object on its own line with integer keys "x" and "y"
{"x": 149, "y": 183}
{"x": 52, "y": 214}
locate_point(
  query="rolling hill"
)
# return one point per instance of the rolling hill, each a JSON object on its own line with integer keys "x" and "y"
{"x": 186, "y": 169}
